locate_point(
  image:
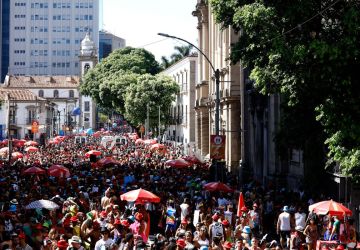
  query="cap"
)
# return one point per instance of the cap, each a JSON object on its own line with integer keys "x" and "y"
{"x": 286, "y": 209}
{"x": 225, "y": 223}
{"x": 117, "y": 221}
{"x": 244, "y": 209}
{"x": 103, "y": 214}
{"x": 227, "y": 245}
{"x": 215, "y": 216}
{"x": 125, "y": 223}
{"x": 246, "y": 230}
{"x": 184, "y": 221}
{"x": 181, "y": 243}
{"x": 62, "y": 244}
{"x": 75, "y": 239}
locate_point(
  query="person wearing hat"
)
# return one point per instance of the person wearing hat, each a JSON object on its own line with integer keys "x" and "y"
{"x": 256, "y": 218}
{"x": 246, "y": 235}
{"x": 283, "y": 227}
{"x": 228, "y": 230}
{"x": 297, "y": 239}
{"x": 62, "y": 245}
{"x": 216, "y": 228}
{"x": 105, "y": 241}
{"x": 75, "y": 243}
{"x": 181, "y": 244}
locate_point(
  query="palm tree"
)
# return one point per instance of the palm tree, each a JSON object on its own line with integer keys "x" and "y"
{"x": 165, "y": 62}
{"x": 181, "y": 52}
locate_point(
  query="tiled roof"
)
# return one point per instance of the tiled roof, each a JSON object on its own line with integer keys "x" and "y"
{"x": 42, "y": 81}
{"x": 19, "y": 95}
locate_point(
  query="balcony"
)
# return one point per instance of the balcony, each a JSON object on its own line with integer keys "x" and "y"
{"x": 13, "y": 121}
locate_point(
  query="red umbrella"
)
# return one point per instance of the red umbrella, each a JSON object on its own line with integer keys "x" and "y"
{"x": 140, "y": 195}
{"x": 34, "y": 170}
{"x": 157, "y": 146}
{"x": 218, "y": 186}
{"x": 31, "y": 149}
{"x": 330, "y": 207}
{"x": 31, "y": 143}
{"x": 93, "y": 152}
{"x": 193, "y": 159}
{"x": 20, "y": 143}
{"x": 106, "y": 161}
{"x": 17, "y": 155}
{"x": 150, "y": 141}
{"x": 59, "y": 171}
{"x": 178, "y": 163}
{"x": 139, "y": 141}
{"x": 97, "y": 134}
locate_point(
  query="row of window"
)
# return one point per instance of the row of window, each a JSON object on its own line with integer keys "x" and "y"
{"x": 39, "y": 41}
{"x": 61, "y": 41}
{"x": 56, "y": 93}
{"x": 19, "y": 63}
{"x": 61, "y": 52}
{"x": 84, "y": 17}
{"x": 39, "y": 17}
{"x": 20, "y": 4}
{"x": 19, "y": 51}
{"x": 19, "y": 39}
{"x": 39, "y": 5}
{"x": 38, "y": 65}
{"x": 39, "y": 29}
{"x": 19, "y": 27}
{"x": 45, "y": 41}
{"x": 58, "y": 5}
{"x": 20, "y": 16}
{"x": 61, "y": 65}
{"x": 84, "y": 5}
{"x": 67, "y": 29}
{"x": 40, "y": 52}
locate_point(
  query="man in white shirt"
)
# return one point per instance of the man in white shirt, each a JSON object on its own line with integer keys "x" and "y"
{"x": 284, "y": 227}
{"x": 300, "y": 218}
{"x": 105, "y": 242}
{"x": 185, "y": 209}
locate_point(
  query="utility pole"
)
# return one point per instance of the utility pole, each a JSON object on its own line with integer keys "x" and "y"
{"x": 159, "y": 120}
{"x": 147, "y": 123}
{"x": 8, "y": 127}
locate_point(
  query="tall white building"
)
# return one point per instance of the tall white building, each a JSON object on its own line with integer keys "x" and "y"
{"x": 182, "y": 123}
{"x": 45, "y": 35}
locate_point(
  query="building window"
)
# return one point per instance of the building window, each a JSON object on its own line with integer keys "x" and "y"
{"x": 86, "y": 106}
{"x": 56, "y": 93}
{"x": 71, "y": 93}
{"x": 41, "y": 93}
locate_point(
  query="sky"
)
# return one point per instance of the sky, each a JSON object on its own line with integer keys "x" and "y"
{"x": 139, "y": 21}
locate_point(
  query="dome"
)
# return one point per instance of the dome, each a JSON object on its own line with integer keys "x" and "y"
{"x": 87, "y": 46}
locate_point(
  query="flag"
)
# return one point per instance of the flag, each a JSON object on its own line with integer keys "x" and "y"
{"x": 76, "y": 111}
{"x": 241, "y": 204}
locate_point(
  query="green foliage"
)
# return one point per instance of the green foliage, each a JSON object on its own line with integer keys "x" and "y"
{"x": 180, "y": 53}
{"x": 126, "y": 80}
{"x": 308, "y": 50}
{"x": 155, "y": 91}
{"x": 106, "y": 83}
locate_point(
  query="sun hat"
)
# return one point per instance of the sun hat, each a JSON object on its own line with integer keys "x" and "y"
{"x": 75, "y": 239}
{"x": 246, "y": 230}
{"x": 14, "y": 202}
{"x": 62, "y": 244}
{"x": 225, "y": 223}
{"x": 227, "y": 245}
{"x": 286, "y": 209}
{"x": 181, "y": 243}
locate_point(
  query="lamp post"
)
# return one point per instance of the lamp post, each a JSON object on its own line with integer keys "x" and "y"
{"x": 216, "y": 75}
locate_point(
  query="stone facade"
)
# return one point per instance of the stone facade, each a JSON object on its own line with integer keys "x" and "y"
{"x": 215, "y": 43}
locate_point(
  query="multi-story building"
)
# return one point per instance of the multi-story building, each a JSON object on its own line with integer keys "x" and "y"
{"x": 4, "y": 37}
{"x": 216, "y": 44}
{"x": 182, "y": 113}
{"x": 108, "y": 43}
{"x": 45, "y": 35}
{"x": 62, "y": 92}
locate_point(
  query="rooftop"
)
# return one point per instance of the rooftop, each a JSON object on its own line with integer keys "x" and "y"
{"x": 19, "y": 95}
{"x": 42, "y": 82}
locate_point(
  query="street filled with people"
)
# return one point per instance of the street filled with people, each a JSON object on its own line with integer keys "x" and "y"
{"x": 140, "y": 194}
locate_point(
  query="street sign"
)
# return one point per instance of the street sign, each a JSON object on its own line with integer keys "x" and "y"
{"x": 35, "y": 126}
{"x": 217, "y": 147}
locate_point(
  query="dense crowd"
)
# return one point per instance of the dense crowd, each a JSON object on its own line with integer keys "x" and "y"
{"x": 91, "y": 214}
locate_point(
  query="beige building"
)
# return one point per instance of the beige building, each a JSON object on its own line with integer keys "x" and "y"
{"x": 215, "y": 43}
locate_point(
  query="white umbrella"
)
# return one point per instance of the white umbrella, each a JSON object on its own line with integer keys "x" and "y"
{"x": 42, "y": 204}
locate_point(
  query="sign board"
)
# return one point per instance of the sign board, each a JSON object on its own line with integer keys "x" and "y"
{"x": 217, "y": 147}
{"x": 35, "y": 126}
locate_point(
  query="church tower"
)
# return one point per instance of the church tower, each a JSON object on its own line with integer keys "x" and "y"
{"x": 88, "y": 58}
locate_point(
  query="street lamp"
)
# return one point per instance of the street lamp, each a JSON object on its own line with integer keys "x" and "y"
{"x": 217, "y": 80}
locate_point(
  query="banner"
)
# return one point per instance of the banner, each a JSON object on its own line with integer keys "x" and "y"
{"x": 217, "y": 147}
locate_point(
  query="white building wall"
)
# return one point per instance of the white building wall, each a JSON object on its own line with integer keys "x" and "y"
{"x": 184, "y": 73}
{"x": 51, "y": 46}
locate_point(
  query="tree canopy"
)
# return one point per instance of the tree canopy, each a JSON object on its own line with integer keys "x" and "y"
{"x": 180, "y": 53}
{"x": 309, "y": 51}
{"x": 120, "y": 75}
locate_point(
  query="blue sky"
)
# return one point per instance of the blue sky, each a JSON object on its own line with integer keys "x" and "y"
{"x": 139, "y": 21}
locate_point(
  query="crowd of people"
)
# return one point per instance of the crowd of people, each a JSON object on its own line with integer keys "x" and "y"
{"x": 91, "y": 215}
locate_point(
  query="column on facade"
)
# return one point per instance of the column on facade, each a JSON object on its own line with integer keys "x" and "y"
{"x": 205, "y": 132}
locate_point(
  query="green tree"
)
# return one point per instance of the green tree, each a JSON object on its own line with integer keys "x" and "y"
{"x": 155, "y": 91}
{"x": 180, "y": 53}
{"x": 107, "y": 82}
{"x": 309, "y": 51}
